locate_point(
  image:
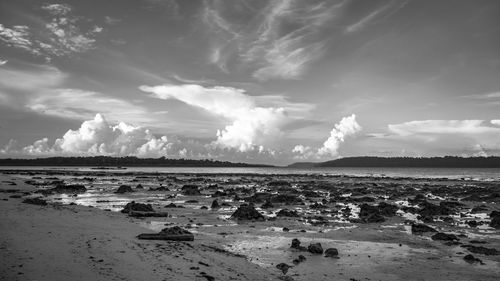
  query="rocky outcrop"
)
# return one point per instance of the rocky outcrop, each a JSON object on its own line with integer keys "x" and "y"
{"x": 283, "y": 267}
{"x": 370, "y": 214}
{"x": 444, "y": 237}
{"x": 287, "y": 213}
{"x": 137, "y": 207}
{"x": 215, "y": 205}
{"x": 418, "y": 228}
{"x": 71, "y": 188}
{"x": 190, "y": 190}
{"x": 247, "y": 212}
{"x": 315, "y": 248}
{"x": 35, "y": 201}
{"x": 471, "y": 259}
{"x": 495, "y": 219}
{"x": 124, "y": 189}
{"x": 171, "y": 233}
{"x": 481, "y": 250}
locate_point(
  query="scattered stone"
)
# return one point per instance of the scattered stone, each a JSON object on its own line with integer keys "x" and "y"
{"x": 370, "y": 214}
{"x": 283, "y": 267}
{"x": 190, "y": 190}
{"x": 315, "y": 248}
{"x": 35, "y": 201}
{"x": 124, "y": 189}
{"x": 418, "y": 228}
{"x": 247, "y": 212}
{"x": 471, "y": 259}
{"x": 137, "y": 207}
{"x": 287, "y": 213}
{"x": 481, "y": 250}
{"x": 172, "y": 233}
{"x": 296, "y": 245}
{"x": 71, "y": 188}
{"x": 331, "y": 253}
{"x": 444, "y": 237}
{"x": 215, "y": 204}
{"x": 299, "y": 259}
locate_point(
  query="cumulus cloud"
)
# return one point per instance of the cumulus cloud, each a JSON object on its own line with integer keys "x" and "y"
{"x": 252, "y": 125}
{"x": 345, "y": 128}
{"x": 99, "y": 137}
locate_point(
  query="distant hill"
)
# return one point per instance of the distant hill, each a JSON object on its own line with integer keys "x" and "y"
{"x": 426, "y": 162}
{"x": 107, "y": 161}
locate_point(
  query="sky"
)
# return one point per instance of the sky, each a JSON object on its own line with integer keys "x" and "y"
{"x": 252, "y": 81}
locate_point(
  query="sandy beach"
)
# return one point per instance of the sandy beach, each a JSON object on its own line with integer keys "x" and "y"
{"x": 85, "y": 237}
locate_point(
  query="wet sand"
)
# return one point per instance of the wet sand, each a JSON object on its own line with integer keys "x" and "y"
{"x": 94, "y": 242}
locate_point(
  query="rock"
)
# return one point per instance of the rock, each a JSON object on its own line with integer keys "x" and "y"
{"x": 139, "y": 186}
{"x": 287, "y": 213}
{"x": 471, "y": 259}
{"x": 139, "y": 214}
{"x": 190, "y": 190}
{"x": 288, "y": 199}
{"x": 315, "y": 248}
{"x": 296, "y": 245}
{"x": 219, "y": 193}
{"x": 267, "y": 205}
{"x": 331, "y": 253}
{"x": 137, "y": 207}
{"x": 418, "y": 228}
{"x": 124, "y": 189}
{"x": 172, "y": 233}
{"x": 387, "y": 210}
{"x": 247, "y": 212}
{"x": 481, "y": 250}
{"x": 71, "y": 188}
{"x": 35, "y": 201}
{"x": 279, "y": 183}
{"x": 161, "y": 188}
{"x": 173, "y": 205}
{"x": 444, "y": 237}
{"x": 286, "y": 229}
{"x": 283, "y": 267}
{"x": 370, "y": 214}
{"x": 430, "y": 210}
{"x": 215, "y": 205}
{"x": 299, "y": 259}
{"x": 495, "y": 219}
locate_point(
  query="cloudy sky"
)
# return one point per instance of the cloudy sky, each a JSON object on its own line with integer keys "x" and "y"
{"x": 250, "y": 80}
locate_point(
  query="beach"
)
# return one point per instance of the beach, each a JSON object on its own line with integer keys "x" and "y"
{"x": 84, "y": 236}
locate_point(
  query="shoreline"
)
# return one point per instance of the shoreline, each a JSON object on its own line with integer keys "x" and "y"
{"x": 89, "y": 243}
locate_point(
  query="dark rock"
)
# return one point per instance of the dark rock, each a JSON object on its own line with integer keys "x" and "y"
{"x": 35, "y": 201}
{"x": 370, "y": 214}
{"x": 215, "y": 205}
{"x": 287, "y": 213}
{"x": 444, "y": 237}
{"x": 139, "y": 186}
{"x": 479, "y": 209}
{"x": 288, "y": 199}
{"x": 296, "y": 245}
{"x": 279, "y": 183}
{"x": 286, "y": 229}
{"x": 247, "y": 212}
{"x": 331, "y": 253}
{"x": 481, "y": 250}
{"x": 472, "y": 223}
{"x": 172, "y": 205}
{"x": 171, "y": 233}
{"x": 495, "y": 219}
{"x": 219, "y": 193}
{"x": 161, "y": 188}
{"x": 267, "y": 205}
{"x": 192, "y": 201}
{"x": 137, "y": 207}
{"x": 204, "y": 208}
{"x": 429, "y": 210}
{"x": 418, "y": 228}
{"x": 190, "y": 190}
{"x": 387, "y": 210}
{"x": 471, "y": 259}
{"x": 124, "y": 189}
{"x": 71, "y": 188}
{"x": 315, "y": 248}
{"x": 283, "y": 267}
{"x": 299, "y": 259}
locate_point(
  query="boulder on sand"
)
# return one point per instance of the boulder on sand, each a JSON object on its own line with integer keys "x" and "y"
{"x": 370, "y": 214}
{"x": 495, "y": 219}
{"x": 419, "y": 228}
{"x": 35, "y": 201}
{"x": 332, "y": 253}
{"x": 444, "y": 237}
{"x": 247, "y": 212}
{"x": 170, "y": 233}
{"x": 190, "y": 190}
{"x": 283, "y": 267}
{"x": 287, "y": 213}
{"x": 215, "y": 204}
{"x": 296, "y": 245}
{"x": 124, "y": 189}
{"x": 70, "y": 188}
{"x": 137, "y": 207}
{"x": 315, "y": 248}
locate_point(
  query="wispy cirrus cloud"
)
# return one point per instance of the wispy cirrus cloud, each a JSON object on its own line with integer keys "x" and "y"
{"x": 61, "y": 35}
{"x": 376, "y": 15}
{"x": 278, "y": 41}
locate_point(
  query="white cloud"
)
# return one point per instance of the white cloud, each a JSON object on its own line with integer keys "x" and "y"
{"x": 378, "y": 14}
{"x": 62, "y": 36}
{"x": 98, "y": 137}
{"x": 3, "y": 62}
{"x": 495, "y": 122}
{"x": 278, "y": 42}
{"x": 441, "y": 127}
{"x": 345, "y": 128}
{"x": 252, "y": 125}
